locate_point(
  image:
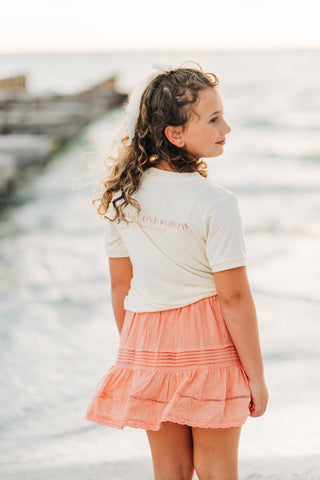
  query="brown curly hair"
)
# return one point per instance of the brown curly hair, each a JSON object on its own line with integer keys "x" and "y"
{"x": 167, "y": 100}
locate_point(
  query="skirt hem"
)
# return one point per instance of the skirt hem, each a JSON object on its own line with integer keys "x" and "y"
{"x": 155, "y": 427}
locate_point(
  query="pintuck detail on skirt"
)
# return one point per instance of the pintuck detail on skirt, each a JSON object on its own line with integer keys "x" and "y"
{"x": 177, "y": 365}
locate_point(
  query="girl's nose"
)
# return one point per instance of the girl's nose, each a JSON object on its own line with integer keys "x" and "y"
{"x": 227, "y": 128}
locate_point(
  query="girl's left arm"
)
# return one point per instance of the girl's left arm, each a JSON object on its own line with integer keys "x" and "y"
{"x": 120, "y": 277}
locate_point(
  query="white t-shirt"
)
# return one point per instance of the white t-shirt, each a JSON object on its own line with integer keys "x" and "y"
{"x": 189, "y": 227}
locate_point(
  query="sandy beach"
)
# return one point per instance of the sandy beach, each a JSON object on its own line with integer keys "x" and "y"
{"x": 300, "y": 468}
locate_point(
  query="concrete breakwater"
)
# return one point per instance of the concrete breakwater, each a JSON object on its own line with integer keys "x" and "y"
{"x": 33, "y": 127}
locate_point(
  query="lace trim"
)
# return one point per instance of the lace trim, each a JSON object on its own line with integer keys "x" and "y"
{"x": 167, "y": 418}
{"x": 148, "y": 399}
{"x": 214, "y": 399}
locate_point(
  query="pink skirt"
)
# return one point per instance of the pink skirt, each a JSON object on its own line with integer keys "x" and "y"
{"x": 178, "y": 365}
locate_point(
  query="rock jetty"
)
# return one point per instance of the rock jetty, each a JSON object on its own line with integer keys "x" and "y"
{"x": 32, "y": 127}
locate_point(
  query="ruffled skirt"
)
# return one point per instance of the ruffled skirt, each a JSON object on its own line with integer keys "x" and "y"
{"x": 178, "y": 365}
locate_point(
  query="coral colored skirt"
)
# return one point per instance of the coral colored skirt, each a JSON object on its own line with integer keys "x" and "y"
{"x": 178, "y": 365}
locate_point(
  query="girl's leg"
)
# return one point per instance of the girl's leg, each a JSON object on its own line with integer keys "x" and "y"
{"x": 172, "y": 452}
{"x": 215, "y": 452}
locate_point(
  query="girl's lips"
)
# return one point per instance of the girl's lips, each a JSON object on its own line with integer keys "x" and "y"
{"x": 222, "y": 142}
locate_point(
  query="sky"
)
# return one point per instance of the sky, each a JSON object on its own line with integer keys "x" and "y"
{"x": 102, "y": 25}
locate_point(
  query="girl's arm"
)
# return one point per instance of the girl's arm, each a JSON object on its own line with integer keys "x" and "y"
{"x": 120, "y": 277}
{"x": 239, "y": 312}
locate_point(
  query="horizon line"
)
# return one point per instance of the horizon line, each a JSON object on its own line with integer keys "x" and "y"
{"x": 164, "y": 50}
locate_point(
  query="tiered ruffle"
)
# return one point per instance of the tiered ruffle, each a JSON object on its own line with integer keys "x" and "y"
{"x": 177, "y": 365}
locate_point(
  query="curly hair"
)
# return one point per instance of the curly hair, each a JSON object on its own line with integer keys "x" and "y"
{"x": 167, "y": 100}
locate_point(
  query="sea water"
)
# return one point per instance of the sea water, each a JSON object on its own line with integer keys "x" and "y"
{"x": 58, "y": 334}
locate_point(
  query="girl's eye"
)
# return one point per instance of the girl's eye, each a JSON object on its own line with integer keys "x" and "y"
{"x": 215, "y": 118}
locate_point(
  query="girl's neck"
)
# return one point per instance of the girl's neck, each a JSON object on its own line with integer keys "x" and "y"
{"x": 163, "y": 165}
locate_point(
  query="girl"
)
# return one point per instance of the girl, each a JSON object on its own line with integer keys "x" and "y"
{"x": 189, "y": 368}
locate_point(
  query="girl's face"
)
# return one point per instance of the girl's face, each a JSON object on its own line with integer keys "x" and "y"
{"x": 206, "y": 128}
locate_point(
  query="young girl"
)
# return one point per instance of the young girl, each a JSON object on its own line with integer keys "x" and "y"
{"x": 189, "y": 368}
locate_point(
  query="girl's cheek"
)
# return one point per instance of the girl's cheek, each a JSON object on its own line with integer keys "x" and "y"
{"x": 215, "y": 127}
{"x": 215, "y": 132}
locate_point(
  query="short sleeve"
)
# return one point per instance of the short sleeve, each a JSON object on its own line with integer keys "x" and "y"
{"x": 225, "y": 247}
{"x": 113, "y": 242}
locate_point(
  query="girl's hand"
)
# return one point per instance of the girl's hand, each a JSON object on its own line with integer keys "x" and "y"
{"x": 259, "y": 397}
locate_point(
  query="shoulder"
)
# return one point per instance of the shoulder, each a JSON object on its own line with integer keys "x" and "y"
{"x": 212, "y": 194}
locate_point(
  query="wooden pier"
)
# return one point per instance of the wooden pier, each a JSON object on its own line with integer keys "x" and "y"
{"x": 32, "y": 127}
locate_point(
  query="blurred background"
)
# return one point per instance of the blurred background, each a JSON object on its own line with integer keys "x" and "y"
{"x": 65, "y": 70}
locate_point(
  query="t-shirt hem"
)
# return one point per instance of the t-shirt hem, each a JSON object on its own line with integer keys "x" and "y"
{"x": 158, "y": 308}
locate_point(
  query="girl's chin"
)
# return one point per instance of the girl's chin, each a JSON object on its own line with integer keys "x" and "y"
{"x": 218, "y": 153}
{"x": 213, "y": 155}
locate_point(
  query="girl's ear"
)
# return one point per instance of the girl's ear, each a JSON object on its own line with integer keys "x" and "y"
{"x": 174, "y": 135}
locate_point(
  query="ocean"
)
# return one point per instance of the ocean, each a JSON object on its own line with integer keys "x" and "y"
{"x": 58, "y": 335}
